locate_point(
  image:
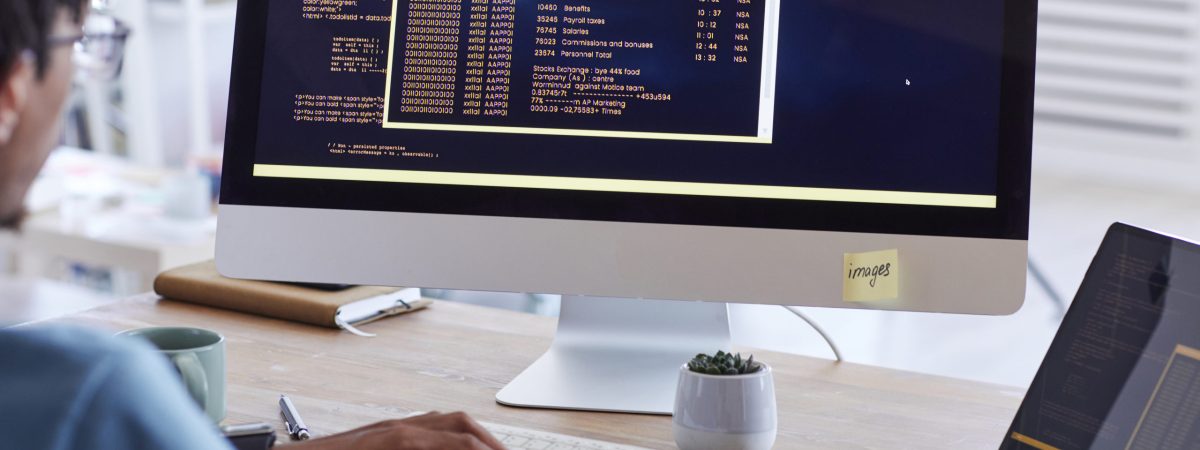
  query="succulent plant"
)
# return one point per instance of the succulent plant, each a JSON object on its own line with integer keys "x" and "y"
{"x": 723, "y": 364}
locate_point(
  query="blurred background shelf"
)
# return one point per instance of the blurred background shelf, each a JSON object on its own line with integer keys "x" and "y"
{"x": 104, "y": 223}
{"x": 28, "y": 301}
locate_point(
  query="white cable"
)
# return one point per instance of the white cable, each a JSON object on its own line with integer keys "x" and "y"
{"x": 836, "y": 353}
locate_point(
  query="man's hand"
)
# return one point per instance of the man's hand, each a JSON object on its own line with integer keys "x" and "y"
{"x": 431, "y": 431}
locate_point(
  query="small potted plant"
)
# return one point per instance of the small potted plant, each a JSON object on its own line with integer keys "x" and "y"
{"x": 725, "y": 402}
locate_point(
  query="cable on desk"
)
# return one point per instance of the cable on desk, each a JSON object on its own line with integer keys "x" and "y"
{"x": 1043, "y": 281}
{"x": 832, "y": 346}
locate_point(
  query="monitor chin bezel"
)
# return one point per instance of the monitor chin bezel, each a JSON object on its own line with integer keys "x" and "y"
{"x": 612, "y": 259}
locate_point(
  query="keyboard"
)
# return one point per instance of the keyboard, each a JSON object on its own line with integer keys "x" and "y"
{"x": 523, "y": 438}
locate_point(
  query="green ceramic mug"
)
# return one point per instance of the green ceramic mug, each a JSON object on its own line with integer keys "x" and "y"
{"x": 198, "y": 356}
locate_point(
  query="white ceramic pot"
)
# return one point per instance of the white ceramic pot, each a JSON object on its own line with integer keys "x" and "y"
{"x": 726, "y": 412}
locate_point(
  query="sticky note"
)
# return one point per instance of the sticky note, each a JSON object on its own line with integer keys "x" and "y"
{"x": 871, "y": 276}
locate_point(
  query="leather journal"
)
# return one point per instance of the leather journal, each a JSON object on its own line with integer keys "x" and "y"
{"x": 201, "y": 284}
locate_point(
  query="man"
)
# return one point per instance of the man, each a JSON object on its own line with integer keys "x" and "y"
{"x": 63, "y": 388}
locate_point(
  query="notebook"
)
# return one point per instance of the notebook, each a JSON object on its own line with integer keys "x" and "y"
{"x": 346, "y": 309}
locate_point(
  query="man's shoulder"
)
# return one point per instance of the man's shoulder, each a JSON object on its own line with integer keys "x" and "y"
{"x": 68, "y": 388}
{"x": 49, "y": 375}
{"x": 61, "y": 364}
{"x": 60, "y": 347}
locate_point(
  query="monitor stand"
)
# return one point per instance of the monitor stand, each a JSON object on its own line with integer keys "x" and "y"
{"x": 619, "y": 355}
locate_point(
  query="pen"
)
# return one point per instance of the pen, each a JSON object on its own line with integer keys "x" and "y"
{"x": 291, "y": 417}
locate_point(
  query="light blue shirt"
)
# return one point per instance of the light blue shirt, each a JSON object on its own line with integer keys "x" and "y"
{"x": 67, "y": 388}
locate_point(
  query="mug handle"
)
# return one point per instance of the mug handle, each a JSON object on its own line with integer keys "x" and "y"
{"x": 194, "y": 377}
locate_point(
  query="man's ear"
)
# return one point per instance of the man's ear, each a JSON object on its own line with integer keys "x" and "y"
{"x": 14, "y": 92}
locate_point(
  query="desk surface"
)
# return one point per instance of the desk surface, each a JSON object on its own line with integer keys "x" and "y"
{"x": 456, "y": 357}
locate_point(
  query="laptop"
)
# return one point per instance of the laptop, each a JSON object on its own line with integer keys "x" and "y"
{"x": 1123, "y": 372}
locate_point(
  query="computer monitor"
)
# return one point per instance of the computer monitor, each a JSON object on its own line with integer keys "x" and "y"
{"x": 611, "y": 151}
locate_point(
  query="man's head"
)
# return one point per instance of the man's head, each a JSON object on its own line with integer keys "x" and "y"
{"x": 35, "y": 78}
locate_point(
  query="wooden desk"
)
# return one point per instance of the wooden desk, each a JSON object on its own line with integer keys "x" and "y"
{"x": 456, "y": 357}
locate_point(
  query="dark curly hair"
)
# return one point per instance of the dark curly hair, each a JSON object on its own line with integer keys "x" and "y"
{"x": 26, "y": 25}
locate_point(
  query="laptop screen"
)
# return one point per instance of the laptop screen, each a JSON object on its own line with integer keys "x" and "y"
{"x": 1123, "y": 371}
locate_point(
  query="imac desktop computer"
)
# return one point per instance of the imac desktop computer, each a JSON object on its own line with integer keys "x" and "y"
{"x": 649, "y": 160}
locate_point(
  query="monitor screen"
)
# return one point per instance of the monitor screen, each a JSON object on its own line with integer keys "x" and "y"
{"x": 840, "y": 115}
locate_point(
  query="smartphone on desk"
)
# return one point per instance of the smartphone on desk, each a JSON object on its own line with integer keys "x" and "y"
{"x": 253, "y": 436}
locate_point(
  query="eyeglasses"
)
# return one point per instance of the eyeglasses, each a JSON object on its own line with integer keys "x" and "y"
{"x": 100, "y": 48}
